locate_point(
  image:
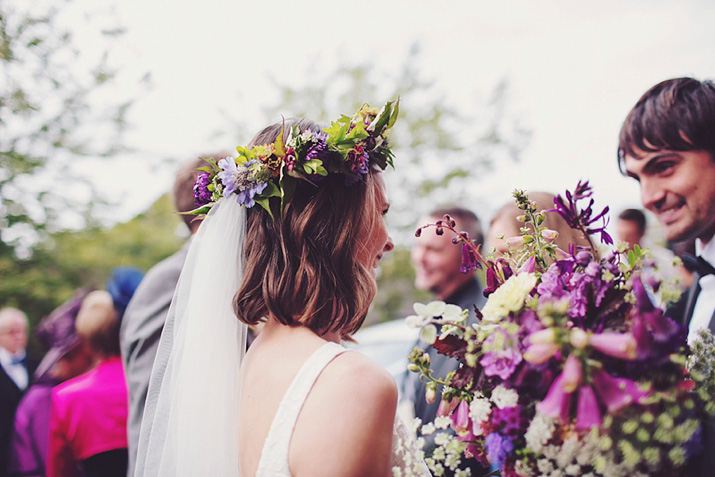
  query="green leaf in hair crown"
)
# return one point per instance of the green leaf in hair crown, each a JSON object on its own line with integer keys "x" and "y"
{"x": 349, "y": 146}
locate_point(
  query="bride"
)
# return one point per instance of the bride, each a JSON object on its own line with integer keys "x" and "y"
{"x": 296, "y": 225}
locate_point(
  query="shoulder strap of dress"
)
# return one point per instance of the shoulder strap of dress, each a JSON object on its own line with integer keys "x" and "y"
{"x": 279, "y": 435}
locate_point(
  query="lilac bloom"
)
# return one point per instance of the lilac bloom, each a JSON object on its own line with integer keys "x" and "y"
{"x": 500, "y": 363}
{"x": 510, "y": 421}
{"x": 498, "y": 448}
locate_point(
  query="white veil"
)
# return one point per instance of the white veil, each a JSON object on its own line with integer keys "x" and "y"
{"x": 190, "y": 424}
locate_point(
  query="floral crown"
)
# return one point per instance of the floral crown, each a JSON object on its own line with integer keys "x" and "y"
{"x": 349, "y": 146}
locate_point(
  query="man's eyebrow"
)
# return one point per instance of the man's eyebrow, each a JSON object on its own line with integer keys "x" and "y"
{"x": 653, "y": 160}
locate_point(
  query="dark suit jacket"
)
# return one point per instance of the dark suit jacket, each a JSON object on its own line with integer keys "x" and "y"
{"x": 682, "y": 312}
{"x": 466, "y": 298}
{"x": 10, "y": 396}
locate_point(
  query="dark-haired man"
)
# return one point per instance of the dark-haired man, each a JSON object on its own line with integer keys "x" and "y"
{"x": 667, "y": 143}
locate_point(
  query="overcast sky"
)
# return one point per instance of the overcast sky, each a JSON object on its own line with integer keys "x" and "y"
{"x": 574, "y": 69}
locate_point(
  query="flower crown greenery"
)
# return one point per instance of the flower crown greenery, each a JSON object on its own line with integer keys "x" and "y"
{"x": 349, "y": 146}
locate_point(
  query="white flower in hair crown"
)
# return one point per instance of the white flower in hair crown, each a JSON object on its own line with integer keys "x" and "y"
{"x": 349, "y": 146}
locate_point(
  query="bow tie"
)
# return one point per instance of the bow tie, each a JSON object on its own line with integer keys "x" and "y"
{"x": 698, "y": 264}
{"x": 18, "y": 360}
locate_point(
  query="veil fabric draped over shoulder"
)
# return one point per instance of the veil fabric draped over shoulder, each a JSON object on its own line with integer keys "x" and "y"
{"x": 190, "y": 424}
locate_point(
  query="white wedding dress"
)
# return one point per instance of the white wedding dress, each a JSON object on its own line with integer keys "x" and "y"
{"x": 274, "y": 458}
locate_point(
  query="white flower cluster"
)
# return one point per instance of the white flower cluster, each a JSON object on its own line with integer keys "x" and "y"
{"x": 509, "y": 297}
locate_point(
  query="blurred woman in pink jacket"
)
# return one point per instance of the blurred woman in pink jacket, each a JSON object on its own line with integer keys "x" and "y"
{"x": 88, "y": 421}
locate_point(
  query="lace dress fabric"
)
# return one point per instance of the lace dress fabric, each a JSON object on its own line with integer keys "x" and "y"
{"x": 274, "y": 457}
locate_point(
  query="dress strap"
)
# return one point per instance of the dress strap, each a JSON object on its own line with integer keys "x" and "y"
{"x": 274, "y": 457}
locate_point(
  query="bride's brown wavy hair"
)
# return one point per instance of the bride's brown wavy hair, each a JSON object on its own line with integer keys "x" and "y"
{"x": 302, "y": 268}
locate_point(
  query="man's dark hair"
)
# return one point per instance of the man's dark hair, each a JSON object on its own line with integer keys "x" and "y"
{"x": 468, "y": 221}
{"x": 636, "y": 216}
{"x": 676, "y": 114}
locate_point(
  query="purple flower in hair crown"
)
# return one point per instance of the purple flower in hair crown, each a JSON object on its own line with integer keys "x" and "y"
{"x": 350, "y": 146}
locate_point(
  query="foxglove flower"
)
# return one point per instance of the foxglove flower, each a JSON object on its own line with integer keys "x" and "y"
{"x": 618, "y": 345}
{"x": 460, "y": 418}
{"x": 539, "y": 353}
{"x": 557, "y": 402}
{"x": 572, "y": 373}
{"x": 587, "y": 413}
{"x": 615, "y": 393}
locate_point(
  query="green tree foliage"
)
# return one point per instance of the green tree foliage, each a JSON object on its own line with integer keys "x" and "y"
{"x": 73, "y": 259}
{"x": 57, "y": 106}
{"x": 441, "y": 149}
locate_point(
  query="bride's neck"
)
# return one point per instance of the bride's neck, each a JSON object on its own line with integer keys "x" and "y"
{"x": 274, "y": 329}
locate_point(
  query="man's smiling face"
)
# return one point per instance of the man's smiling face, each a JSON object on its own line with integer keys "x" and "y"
{"x": 679, "y": 188}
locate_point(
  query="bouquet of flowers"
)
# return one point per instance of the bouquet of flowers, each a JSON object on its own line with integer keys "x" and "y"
{"x": 571, "y": 369}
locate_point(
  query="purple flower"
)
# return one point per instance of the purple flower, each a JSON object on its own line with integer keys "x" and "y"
{"x": 587, "y": 414}
{"x": 245, "y": 197}
{"x": 557, "y": 402}
{"x": 460, "y": 418}
{"x": 581, "y": 219}
{"x": 500, "y": 363}
{"x": 469, "y": 259}
{"x": 662, "y": 327}
{"x": 498, "y": 448}
{"x": 229, "y": 175}
{"x": 318, "y": 150}
{"x": 509, "y": 421}
{"x": 202, "y": 196}
{"x": 615, "y": 392}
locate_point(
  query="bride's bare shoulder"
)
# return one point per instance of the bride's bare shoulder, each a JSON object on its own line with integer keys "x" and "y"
{"x": 355, "y": 373}
{"x": 350, "y": 411}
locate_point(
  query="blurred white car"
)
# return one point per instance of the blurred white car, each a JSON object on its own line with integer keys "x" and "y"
{"x": 389, "y": 344}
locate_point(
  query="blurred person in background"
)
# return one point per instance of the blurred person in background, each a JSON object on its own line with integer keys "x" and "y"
{"x": 16, "y": 370}
{"x": 66, "y": 358}
{"x": 437, "y": 262}
{"x": 504, "y": 224}
{"x": 88, "y": 421}
{"x": 146, "y": 313}
{"x": 631, "y": 227}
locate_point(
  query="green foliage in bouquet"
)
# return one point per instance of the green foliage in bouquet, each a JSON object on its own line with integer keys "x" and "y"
{"x": 571, "y": 369}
